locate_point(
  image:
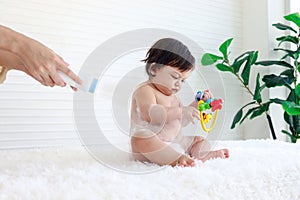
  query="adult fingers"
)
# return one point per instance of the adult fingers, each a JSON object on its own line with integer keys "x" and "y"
{"x": 56, "y": 78}
{"x": 74, "y": 88}
{"x": 47, "y": 80}
{"x": 38, "y": 76}
{"x": 70, "y": 73}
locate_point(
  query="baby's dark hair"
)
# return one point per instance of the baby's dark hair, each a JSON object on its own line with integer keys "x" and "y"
{"x": 169, "y": 51}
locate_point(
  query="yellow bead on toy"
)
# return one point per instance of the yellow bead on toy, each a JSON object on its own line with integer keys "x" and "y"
{"x": 207, "y": 118}
{"x": 200, "y": 102}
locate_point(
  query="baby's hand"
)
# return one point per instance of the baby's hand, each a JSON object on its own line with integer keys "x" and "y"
{"x": 207, "y": 95}
{"x": 189, "y": 113}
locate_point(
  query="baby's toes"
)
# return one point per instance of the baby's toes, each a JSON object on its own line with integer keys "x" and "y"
{"x": 192, "y": 163}
{"x": 226, "y": 153}
{"x": 186, "y": 161}
{"x": 182, "y": 163}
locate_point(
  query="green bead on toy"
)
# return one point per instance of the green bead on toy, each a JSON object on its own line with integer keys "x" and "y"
{"x": 203, "y": 106}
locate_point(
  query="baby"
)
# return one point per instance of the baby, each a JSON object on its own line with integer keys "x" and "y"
{"x": 157, "y": 114}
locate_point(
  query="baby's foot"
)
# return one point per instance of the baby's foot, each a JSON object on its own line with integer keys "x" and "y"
{"x": 184, "y": 161}
{"x": 222, "y": 153}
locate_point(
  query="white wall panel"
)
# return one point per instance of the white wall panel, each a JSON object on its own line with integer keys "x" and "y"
{"x": 34, "y": 115}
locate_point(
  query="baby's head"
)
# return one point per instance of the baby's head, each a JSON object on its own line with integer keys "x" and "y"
{"x": 169, "y": 62}
{"x": 169, "y": 52}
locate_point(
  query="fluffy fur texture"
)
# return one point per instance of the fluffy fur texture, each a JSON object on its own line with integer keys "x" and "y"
{"x": 257, "y": 169}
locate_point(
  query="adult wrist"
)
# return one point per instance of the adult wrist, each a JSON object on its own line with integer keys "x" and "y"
{"x": 12, "y": 41}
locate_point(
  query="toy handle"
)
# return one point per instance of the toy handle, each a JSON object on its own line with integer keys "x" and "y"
{"x": 212, "y": 104}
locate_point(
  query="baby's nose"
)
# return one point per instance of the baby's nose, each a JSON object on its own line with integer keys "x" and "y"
{"x": 178, "y": 83}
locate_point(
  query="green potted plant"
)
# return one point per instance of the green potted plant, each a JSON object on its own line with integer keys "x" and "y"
{"x": 288, "y": 77}
{"x": 241, "y": 67}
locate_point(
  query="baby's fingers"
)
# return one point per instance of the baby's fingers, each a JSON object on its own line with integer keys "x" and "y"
{"x": 192, "y": 121}
{"x": 196, "y": 114}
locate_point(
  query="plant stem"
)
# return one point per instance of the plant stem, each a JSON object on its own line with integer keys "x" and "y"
{"x": 296, "y": 65}
{"x": 267, "y": 115}
{"x": 271, "y": 126}
{"x": 245, "y": 86}
{"x": 260, "y": 104}
{"x": 296, "y": 133}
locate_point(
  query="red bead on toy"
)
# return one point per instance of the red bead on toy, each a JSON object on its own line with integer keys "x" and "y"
{"x": 216, "y": 105}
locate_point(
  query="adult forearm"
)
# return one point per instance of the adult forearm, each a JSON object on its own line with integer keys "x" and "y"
{"x": 17, "y": 43}
{"x": 10, "y": 60}
{"x": 10, "y": 40}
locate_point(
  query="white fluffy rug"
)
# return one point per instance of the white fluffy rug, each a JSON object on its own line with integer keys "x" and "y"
{"x": 257, "y": 169}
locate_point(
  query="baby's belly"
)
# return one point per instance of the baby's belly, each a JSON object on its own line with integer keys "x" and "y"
{"x": 170, "y": 131}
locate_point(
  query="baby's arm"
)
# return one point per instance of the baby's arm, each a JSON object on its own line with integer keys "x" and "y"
{"x": 152, "y": 112}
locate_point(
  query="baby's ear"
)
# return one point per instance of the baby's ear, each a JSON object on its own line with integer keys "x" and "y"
{"x": 152, "y": 69}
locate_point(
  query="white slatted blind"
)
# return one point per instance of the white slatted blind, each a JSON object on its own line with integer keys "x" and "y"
{"x": 34, "y": 115}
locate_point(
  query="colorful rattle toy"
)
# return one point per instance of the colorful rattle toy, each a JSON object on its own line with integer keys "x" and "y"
{"x": 211, "y": 105}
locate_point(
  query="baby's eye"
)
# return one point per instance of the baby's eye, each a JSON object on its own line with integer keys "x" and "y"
{"x": 183, "y": 80}
{"x": 175, "y": 77}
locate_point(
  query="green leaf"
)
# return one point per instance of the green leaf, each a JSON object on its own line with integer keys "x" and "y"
{"x": 209, "y": 59}
{"x": 284, "y": 57}
{"x": 284, "y": 27}
{"x": 262, "y": 87}
{"x": 274, "y": 62}
{"x": 237, "y": 64}
{"x": 246, "y": 71}
{"x": 291, "y": 108}
{"x": 223, "y": 67}
{"x": 289, "y": 73}
{"x": 297, "y": 126}
{"x": 251, "y": 110}
{"x": 239, "y": 115}
{"x": 224, "y": 48}
{"x": 287, "y": 38}
{"x": 293, "y": 138}
{"x": 276, "y": 100}
{"x": 237, "y": 118}
{"x": 291, "y": 96}
{"x": 290, "y": 53}
{"x": 273, "y": 80}
{"x": 294, "y": 17}
{"x": 297, "y": 90}
{"x": 289, "y": 120}
{"x": 261, "y": 110}
{"x": 242, "y": 55}
{"x": 257, "y": 95}
{"x": 294, "y": 124}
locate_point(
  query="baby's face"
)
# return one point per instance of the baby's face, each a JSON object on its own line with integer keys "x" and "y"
{"x": 169, "y": 80}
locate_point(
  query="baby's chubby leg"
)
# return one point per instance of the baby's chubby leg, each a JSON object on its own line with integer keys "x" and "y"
{"x": 201, "y": 149}
{"x": 147, "y": 146}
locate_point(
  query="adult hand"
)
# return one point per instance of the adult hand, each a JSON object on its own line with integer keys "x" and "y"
{"x": 36, "y": 59}
{"x": 42, "y": 63}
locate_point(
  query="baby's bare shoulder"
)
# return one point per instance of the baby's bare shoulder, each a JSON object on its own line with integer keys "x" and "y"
{"x": 144, "y": 89}
{"x": 145, "y": 93}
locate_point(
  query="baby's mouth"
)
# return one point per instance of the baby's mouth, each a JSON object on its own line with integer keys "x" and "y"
{"x": 174, "y": 91}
